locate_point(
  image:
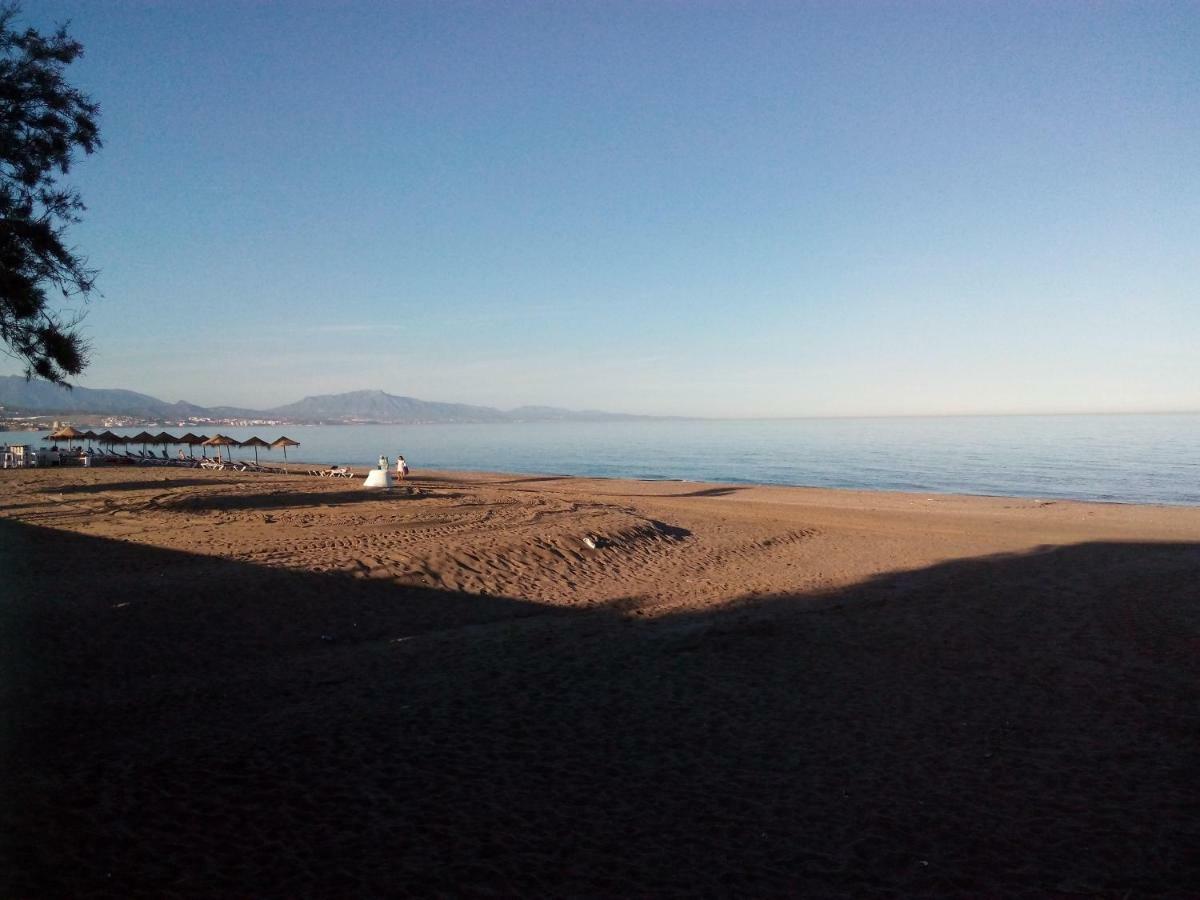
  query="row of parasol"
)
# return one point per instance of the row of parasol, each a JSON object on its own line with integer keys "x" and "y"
{"x": 70, "y": 435}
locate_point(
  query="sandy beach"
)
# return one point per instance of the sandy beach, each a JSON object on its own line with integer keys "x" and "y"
{"x": 241, "y": 684}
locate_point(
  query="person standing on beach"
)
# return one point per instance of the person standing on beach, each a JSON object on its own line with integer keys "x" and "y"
{"x": 401, "y": 467}
{"x": 383, "y": 463}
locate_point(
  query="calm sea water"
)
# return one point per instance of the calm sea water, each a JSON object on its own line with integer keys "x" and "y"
{"x": 1132, "y": 459}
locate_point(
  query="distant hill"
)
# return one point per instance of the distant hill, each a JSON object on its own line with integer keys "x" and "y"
{"x": 376, "y": 406}
{"x": 37, "y": 396}
{"x": 41, "y": 397}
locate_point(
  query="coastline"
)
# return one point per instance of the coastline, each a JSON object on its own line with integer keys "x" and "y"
{"x": 1127, "y": 459}
{"x": 233, "y": 682}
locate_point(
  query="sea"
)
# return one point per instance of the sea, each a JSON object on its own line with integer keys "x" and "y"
{"x": 1110, "y": 458}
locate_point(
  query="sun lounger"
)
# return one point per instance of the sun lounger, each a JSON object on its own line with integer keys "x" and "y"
{"x": 259, "y": 467}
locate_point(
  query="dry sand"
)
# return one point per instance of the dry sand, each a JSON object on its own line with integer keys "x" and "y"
{"x": 223, "y": 684}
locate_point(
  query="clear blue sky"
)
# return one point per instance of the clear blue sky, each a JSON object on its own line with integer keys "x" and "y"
{"x": 767, "y": 209}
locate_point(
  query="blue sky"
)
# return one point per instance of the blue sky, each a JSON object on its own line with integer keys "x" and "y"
{"x": 744, "y": 209}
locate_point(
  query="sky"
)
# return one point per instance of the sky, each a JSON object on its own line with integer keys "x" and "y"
{"x": 693, "y": 208}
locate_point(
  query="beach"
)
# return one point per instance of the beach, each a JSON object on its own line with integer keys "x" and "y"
{"x": 221, "y": 683}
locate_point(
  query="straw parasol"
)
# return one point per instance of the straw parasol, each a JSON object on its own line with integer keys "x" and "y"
{"x": 67, "y": 434}
{"x": 255, "y": 442}
{"x": 143, "y": 438}
{"x": 107, "y": 437}
{"x": 220, "y": 440}
{"x": 163, "y": 438}
{"x": 191, "y": 440}
{"x": 284, "y": 442}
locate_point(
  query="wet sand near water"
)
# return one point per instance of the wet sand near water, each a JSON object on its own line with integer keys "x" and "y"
{"x": 226, "y": 683}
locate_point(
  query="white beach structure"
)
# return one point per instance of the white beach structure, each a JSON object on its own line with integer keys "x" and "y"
{"x": 378, "y": 478}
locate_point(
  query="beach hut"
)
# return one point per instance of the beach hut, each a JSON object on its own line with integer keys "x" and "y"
{"x": 255, "y": 442}
{"x": 284, "y": 442}
{"x": 220, "y": 440}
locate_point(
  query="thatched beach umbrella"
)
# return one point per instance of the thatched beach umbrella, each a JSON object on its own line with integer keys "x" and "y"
{"x": 143, "y": 438}
{"x": 107, "y": 437}
{"x": 219, "y": 441}
{"x": 163, "y": 438}
{"x": 67, "y": 434}
{"x": 191, "y": 440}
{"x": 255, "y": 442}
{"x": 284, "y": 442}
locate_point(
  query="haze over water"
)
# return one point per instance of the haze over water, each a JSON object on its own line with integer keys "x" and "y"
{"x": 1120, "y": 458}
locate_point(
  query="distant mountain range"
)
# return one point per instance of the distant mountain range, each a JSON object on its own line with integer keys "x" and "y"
{"x": 41, "y": 397}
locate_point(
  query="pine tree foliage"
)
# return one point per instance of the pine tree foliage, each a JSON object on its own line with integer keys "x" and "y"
{"x": 44, "y": 121}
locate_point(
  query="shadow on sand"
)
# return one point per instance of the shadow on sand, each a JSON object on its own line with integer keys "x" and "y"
{"x": 722, "y": 491}
{"x": 189, "y": 725}
{"x": 284, "y": 499}
{"x": 141, "y": 485}
{"x": 529, "y": 480}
